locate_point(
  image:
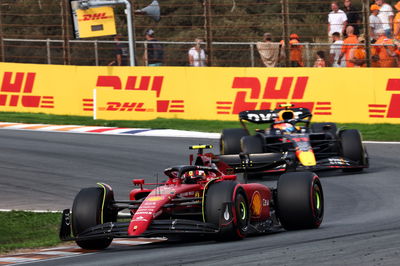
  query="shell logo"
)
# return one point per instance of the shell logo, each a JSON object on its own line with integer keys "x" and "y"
{"x": 155, "y": 198}
{"x": 256, "y": 204}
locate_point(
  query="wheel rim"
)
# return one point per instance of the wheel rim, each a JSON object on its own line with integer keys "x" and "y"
{"x": 242, "y": 209}
{"x": 222, "y": 146}
{"x": 241, "y": 213}
{"x": 318, "y": 201}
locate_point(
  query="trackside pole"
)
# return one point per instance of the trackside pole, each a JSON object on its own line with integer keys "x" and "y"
{"x": 94, "y": 104}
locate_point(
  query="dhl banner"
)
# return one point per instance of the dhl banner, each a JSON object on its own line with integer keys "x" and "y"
{"x": 365, "y": 95}
{"x": 97, "y": 21}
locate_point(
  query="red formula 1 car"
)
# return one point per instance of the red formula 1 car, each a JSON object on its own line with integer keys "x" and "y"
{"x": 199, "y": 199}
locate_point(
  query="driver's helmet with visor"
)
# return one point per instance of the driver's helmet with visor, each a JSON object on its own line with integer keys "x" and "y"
{"x": 191, "y": 177}
{"x": 282, "y": 116}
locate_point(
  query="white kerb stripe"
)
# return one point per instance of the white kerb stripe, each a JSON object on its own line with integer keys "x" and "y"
{"x": 60, "y": 253}
{"x": 16, "y": 260}
{"x": 130, "y": 242}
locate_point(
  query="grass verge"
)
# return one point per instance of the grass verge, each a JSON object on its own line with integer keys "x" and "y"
{"x": 382, "y": 132}
{"x": 21, "y": 229}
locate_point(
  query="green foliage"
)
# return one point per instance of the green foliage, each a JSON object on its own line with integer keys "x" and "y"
{"x": 28, "y": 230}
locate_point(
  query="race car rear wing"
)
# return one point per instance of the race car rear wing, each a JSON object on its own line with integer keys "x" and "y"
{"x": 269, "y": 116}
{"x": 252, "y": 162}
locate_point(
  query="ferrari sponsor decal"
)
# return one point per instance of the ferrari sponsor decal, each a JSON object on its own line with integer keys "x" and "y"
{"x": 226, "y": 213}
{"x": 154, "y": 198}
{"x": 163, "y": 191}
{"x": 143, "y": 212}
{"x": 256, "y": 204}
{"x": 265, "y": 202}
{"x": 139, "y": 219}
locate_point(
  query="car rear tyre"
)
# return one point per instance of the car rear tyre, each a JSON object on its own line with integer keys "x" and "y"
{"x": 216, "y": 210}
{"x": 300, "y": 201}
{"x": 230, "y": 140}
{"x": 252, "y": 144}
{"x": 91, "y": 208}
{"x": 353, "y": 149}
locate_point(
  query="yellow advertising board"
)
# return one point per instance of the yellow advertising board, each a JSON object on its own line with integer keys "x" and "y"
{"x": 141, "y": 93}
{"x": 97, "y": 21}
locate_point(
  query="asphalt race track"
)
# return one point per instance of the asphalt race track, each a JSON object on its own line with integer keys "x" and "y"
{"x": 41, "y": 170}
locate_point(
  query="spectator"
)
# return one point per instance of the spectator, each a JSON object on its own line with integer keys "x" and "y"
{"x": 358, "y": 54}
{"x": 296, "y": 57}
{"x": 121, "y": 52}
{"x": 335, "y": 50}
{"x": 351, "y": 39}
{"x": 320, "y": 62}
{"x": 154, "y": 53}
{"x": 396, "y": 22}
{"x": 375, "y": 23}
{"x": 270, "y": 52}
{"x": 385, "y": 52}
{"x": 353, "y": 16}
{"x": 386, "y": 16}
{"x": 197, "y": 55}
{"x": 397, "y": 51}
{"x": 337, "y": 20}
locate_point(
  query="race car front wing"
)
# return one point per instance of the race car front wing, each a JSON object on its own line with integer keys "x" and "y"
{"x": 120, "y": 229}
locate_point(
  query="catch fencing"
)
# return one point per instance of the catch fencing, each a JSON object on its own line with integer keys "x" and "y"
{"x": 41, "y": 31}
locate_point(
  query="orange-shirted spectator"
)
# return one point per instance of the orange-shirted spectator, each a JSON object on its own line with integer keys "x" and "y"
{"x": 396, "y": 22}
{"x": 397, "y": 51}
{"x": 386, "y": 53}
{"x": 296, "y": 51}
{"x": 351, "y": 39}
{"x": 296, "y": 55}
{"x": 358, "y": 55}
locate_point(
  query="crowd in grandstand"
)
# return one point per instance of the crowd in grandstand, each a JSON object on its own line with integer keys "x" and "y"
{"x": 348, "y": 44}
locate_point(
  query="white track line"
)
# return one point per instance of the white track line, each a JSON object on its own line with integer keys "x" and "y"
{"x": 381, "y": 142}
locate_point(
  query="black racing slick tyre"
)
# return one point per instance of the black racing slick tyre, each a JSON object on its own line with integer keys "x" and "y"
{"x": 230, "y": 140}
{"x": 91, "y": 208}
{"x": 226, "y": 206}
{"x": 353, "y": 149}
{"x": 300, "y": 201}
{"x": 252, "y": 144}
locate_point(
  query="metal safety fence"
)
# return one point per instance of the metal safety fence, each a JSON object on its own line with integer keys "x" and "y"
{"x": 41, "y": 31}
{"x": 100, "y": 52}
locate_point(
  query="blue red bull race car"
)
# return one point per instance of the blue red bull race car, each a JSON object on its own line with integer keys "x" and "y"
{"x": 290, "y": 142}
{"x": 201, "y": 199}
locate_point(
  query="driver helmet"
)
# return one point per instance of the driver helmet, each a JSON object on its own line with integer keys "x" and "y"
{"x": 285, "y": 115}
{"x": 285, "y": 127}
{"x": 194, "y": 175}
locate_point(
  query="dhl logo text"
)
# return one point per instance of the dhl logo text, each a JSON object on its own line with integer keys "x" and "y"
{"x": 391, "y": 110}
{"x": 95, "y": 16}
{"x": 125, "y": 107}
{"x": 172, "y": 106}
{"x": 16, "y": 89}
{"x": 251, "y": 96}
{"x": 152, "y": 84}
{"x": 132, "y": 83}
